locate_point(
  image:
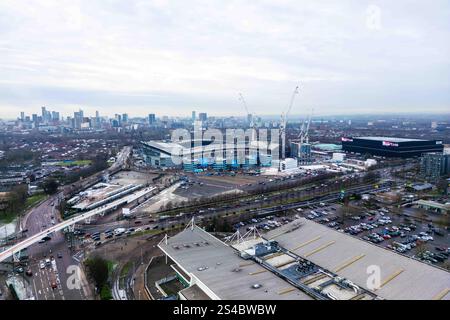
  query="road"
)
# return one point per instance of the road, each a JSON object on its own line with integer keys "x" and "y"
{"x": 44, "y": 219}
{"x": 50, "y": 231}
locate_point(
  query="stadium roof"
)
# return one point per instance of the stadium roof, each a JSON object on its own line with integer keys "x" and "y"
{"x": 216, "y": 266}
{"x": 391, "y": 139}
{"x": 401, "y": 277}
{"x": 170, "y": 147}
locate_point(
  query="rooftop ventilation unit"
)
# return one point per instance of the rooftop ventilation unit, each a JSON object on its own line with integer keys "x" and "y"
{"x": 256, "y": 286}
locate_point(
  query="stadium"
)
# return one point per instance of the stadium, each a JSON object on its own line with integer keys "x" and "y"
{"x": 390, "y": 147}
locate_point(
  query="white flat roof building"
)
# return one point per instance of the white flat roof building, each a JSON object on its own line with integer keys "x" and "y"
{"x": 401, "y": 277}
{"x": 216, "y": 269}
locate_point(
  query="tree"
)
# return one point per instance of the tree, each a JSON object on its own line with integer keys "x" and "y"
{"x": 421, "y": 247}
{"x": 15, "y": 200}
{"x": 98, "y": 269}
{"x": 441, "y": 186}
{"x": 444, "y": 220}
{"x": 50, "y": 186}
{"x": 371, "y": 176}
{"x": 347, "y": 210}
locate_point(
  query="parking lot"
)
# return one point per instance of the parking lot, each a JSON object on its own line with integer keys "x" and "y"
{"x": 421, "y": 239}
{"x": 406, "y": 235}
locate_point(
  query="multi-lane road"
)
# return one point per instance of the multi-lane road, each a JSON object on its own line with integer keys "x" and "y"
{"x": 44, "y": 220}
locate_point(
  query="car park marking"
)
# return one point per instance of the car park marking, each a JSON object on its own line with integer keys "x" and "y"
{"x": 35, "y": 289}
{"x": 277, "y": 235}
{"x": 257, "y": 272}
{"x": 441, "y": 294}
{"x": 287, "y": 290}
{"x": 306, "y": 243}
{"x": 246, "y": 264}
{"x": 349, "y": 262}
{"x": 391, "y": 277}
{"x": 270, "y": 256}
{"x": 319, "y": 249}
{"x": 358, "y": 297}
{"x": 316, "y": 278}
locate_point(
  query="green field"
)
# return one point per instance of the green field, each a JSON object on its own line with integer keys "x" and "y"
{"x": 74, "y": 163}
{"x": 34, "y": 199}
{"x": 8, "y": 217}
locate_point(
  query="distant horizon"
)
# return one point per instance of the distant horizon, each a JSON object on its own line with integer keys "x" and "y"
{"x": 243, "y": 115}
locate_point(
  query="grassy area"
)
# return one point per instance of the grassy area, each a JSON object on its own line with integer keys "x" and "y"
{"x": 125, "y": 269}
{"x": 74, "y": 163}
{"x": 7, "y": 217}
{"x": 105, "y": 293}
{"x": 111, "y": 266}
{"x": 34, "y": 199}
{"x": 147, "y": 232}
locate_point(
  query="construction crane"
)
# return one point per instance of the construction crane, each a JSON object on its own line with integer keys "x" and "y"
{"x": 252, "y": 123}
{"x": 304, "y": 130}
{"x": 241, "y": 98}
{"x": 283, "y": 123}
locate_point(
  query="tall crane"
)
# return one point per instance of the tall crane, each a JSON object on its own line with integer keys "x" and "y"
{"x": 252, "y": 123}
{"x": 283, "y": 123}
{"x": 304, "y": 130}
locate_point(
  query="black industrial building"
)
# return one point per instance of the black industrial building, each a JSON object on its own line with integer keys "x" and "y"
{"x": 390, "y": 147}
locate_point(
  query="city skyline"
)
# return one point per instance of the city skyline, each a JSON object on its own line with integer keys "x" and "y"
{"x": 158, "y": 57}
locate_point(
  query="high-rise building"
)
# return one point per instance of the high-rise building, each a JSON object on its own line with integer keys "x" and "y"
{"x": 97, "y": 119}
{"x": 43, "y": 112}
{"x": 202, "y": 116}
{"x": 193, "y": 116}
{"x": 301, "y": 152}
{"x": 55, "y": 116}
{"x": 151, "y": 118}
{"x": 249, "y": 119}
{"x": 125, "y": 118}
{"x": 434, "y": 165}
{"x": 22, "y": 116}
{"x": 78, "y": 119}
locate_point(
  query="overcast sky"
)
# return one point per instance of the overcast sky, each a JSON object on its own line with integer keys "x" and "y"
{"x": 171, "y": 57}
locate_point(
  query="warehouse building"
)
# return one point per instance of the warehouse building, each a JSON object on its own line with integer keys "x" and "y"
{"x": 214, "y": 271}
{"x": 301, "y": 260}
{"x": 391, "y": 147}
{"x": 401, "y": 277}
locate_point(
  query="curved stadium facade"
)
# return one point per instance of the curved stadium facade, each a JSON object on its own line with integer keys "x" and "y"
{"x": 391, "y": 147}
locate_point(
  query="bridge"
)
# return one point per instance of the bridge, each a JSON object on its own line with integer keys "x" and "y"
{"x": 15, "y": 249}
